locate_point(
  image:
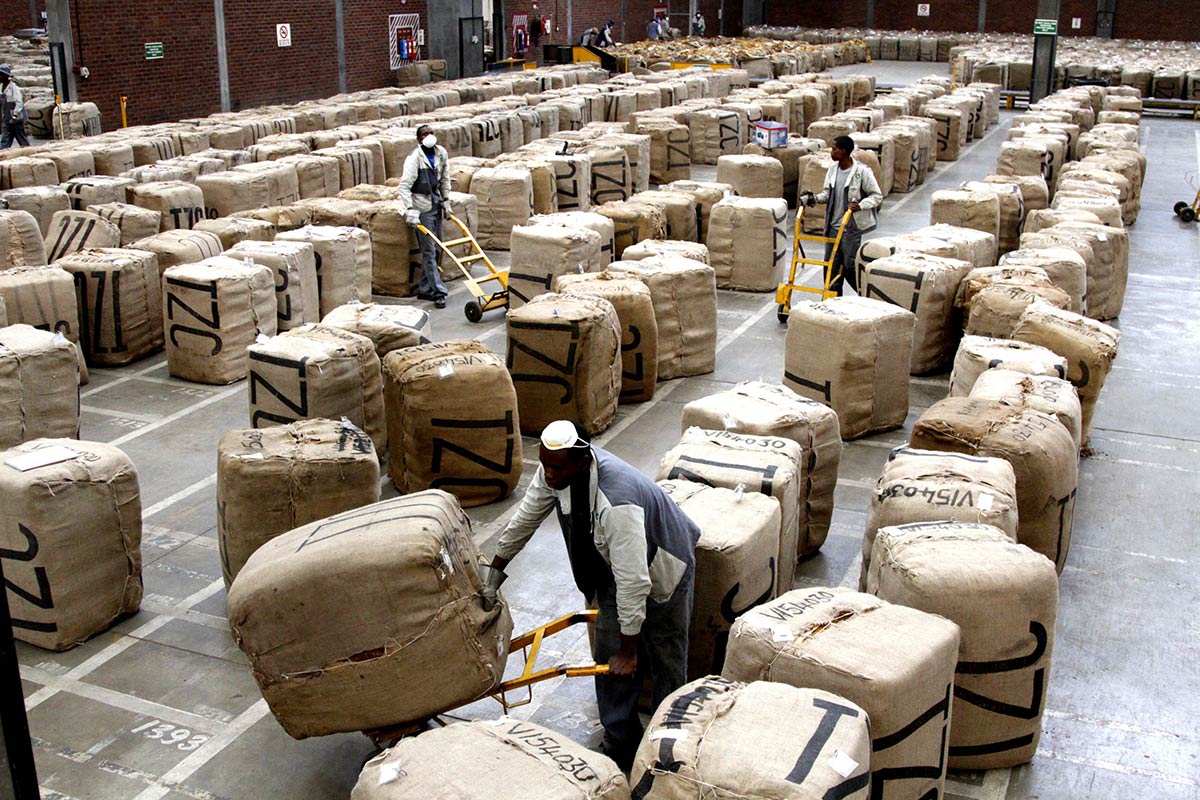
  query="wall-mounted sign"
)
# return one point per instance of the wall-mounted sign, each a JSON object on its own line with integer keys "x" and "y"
{"x": 1045, "y": 27}
{"x": 923, "y": 9}
{"x": 283, "y": 35}
{"x": 154, "y": 50}
{"x": 1076, "y": 23}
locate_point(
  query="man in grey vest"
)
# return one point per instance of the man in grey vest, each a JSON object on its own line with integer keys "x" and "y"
{"x": 425, "y": 191}
{"x": 632, "y": 552}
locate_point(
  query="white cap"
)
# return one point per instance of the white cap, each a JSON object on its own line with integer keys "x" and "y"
{"x": 561, "y": 435}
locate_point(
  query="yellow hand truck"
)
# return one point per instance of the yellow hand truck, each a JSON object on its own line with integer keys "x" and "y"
{"x": 481, "y": 300}
{"x": 783, "y": 295}
{"x": 1187, "y": 211}
{"x": 530, "y": 643}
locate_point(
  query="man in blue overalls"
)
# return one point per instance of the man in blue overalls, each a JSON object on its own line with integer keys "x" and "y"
{"x": 425, "y": 191}
{"x": 632, "y": 552}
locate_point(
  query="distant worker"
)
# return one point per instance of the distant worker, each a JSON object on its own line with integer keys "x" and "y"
{"x": 632, "y": 554}
{"x": 654, "y": 30}
{"x": 698, "y": 24}
{"x": 605, "y": 39}
{"x": 12, "y": 110}
{"x": 849, "y": 186}
{"x": 425, "y": 191}
{"x": 590, "y": 37}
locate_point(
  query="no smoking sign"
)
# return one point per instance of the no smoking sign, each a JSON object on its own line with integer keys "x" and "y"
{"x": 923, "y": 9}
{"x": 283, "y": 35}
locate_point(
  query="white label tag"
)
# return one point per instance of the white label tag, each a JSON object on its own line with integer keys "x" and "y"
{"x": 739, "y": 492}
{"x": 502, "y": 720}
{"x": 781, "y": 634}
{"x": 677, "y": 734}
{"x": 42, "y": 457}
{"x": 389, "y": 772}
{"x": 842, "y": 764}
{"x": 251, "y": 457}
{"x": 729, "y": 422}
{"x": 260, "y": 339}
{"x": 985, "y": 502}
{"x": 445, "y": 370}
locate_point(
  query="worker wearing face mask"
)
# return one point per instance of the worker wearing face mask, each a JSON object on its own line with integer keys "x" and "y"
{"x": 425, "y": 192}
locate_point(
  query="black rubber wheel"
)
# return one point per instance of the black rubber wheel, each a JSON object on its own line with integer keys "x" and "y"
{"x": 782, "y": 314}
{"x": 1187, "y": 214}
{"x": 474, "y": 311}
{"x": 1180, "y": 206}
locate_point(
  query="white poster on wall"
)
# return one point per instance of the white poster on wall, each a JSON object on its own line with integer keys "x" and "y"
{"x": 283, "y": 34}
{"x": 923, "y": 9}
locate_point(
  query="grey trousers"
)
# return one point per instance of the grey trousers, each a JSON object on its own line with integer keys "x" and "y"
{"x": 843, "y": 262}
{"x": 662, "y": 656}
{"x": 431, "y": 278}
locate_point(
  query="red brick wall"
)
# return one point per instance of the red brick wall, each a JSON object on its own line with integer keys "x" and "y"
{"x": 1157, "y": 19}
{"x": 261, "y": 72}
{"x": 366, "y": 23}
{"x": 845, "y": 14}
{"x": 109, "y": 41}
{"x": 14, "y": 15}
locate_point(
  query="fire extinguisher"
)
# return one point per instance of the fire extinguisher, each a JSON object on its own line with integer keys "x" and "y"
{"x": 520, "y": 41}
{"x": 404, "y": 49}
{"x": 413, "y": 51}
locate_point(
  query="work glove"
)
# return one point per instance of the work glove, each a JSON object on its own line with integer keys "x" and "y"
{"x": 808, "y": 199}
{"x": 492, "y": 580}
{"x": 413, "y": 217}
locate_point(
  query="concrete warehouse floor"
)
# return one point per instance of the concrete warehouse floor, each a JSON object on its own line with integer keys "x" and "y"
{"x": 164, "y": 705}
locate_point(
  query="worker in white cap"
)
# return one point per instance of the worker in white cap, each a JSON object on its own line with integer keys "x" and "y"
{"x": 12, "y": 110}
{"x": 632, "y": 554}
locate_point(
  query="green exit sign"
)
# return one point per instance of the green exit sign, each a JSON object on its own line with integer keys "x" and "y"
{"x": 154, "y": 50}
{"x": 1045, "y": 27}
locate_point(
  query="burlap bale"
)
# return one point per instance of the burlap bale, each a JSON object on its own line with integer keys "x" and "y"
{"x": 1040, "y": 450}
{"x": 684, "y": 295}
{"x": 388, "y": 327}
{"x": 96, "y": 190}
{"x": 1027, "y": 156}
{"x": 964, "y": 208}
{"x": 330, "y": 211}
{"x": 829, "y": 128}
{"x": 490, "y": 760}
{"x": 671, "y": 248}
{"x": 343, "y": 262}
{"x": 110, "y": 158}
{"x": 418, "y": 625}
{"x": 1004, "y": 598}
{"x": 466, "y": 208}
{"x": 633, "y": 221}
{"x": 179, "y": 247}
{"x": 1107, "y": 208}
{"x": 1111, "y": 248}
{"x": 812, "y": 179}
{"x": 853, "y": 355}
{"x": 632, "y": 301}
{"x": 929, "y": 486}
{"x": 316, "y": 175}
{"x": 977, "y": 247}
{"x": 751, "y": 175}
{"x": 735, "y": 563}
{"x": 317, "y": 372}
{"x": 706, "y": 194}
{"x": 355, "y": 164}
{"x": 27, "y": 171}
{"x": 1035, "y": 195}
{"x": 43, "y": 297}
{"x": 1078, "y": 175}
{"x": 775, "y": 741}
{"x": 213, "y": 311}
{"x": 1098, "y": 264}
{"x": 908, "y": 167}
{"x": 542, "y": 252}
{"x": 747, "y": 243}
{"x": 180, "y": 205}
{"x": 995, "y": 309}
{"x": 896, "y": 663}
{"x": 225, "y": 193}
{"x": 591, "y": 221}
{"x": 159, "y": 172}
{"x": 395, "y": 251}
{"x": 43, "y": 202}
{"x": 1064, "y": 267}
{"x": 951, "y": 130}
{"x": 670, "y": 149}
{"x": 119, "y": 297}
{"x": 272, "y": 480}
{"x": 439, "y": 435}
{"x": 977, "y": 353}
{"x": 678, "y": 209}
{"x": 770, "y": 465}
{"x": 564, "y": 354}
{"x": 21, "y": 242}
{"x": 39, "y": 385}
{"x": 294, "y": 264}
{"x": 1088, "y": 346}
{"x": 926, "y": 286}
{"x": 980, "y": 278}
{"x": 764, "y": 409}
{"x": 1054, "y": 397}
{"x": 72, "y": 231}
{"x": 231, "y": 230}
{"x": 714, "y": 133}
{"x": 72, "y": 532}
{"x": 884, "y": 246}
{"x": 1011, "y": 212}
{"x": 505, "y": 196}
{"x": 134, "y": 222}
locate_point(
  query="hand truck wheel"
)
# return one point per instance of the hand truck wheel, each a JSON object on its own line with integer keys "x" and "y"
{"x": 1180, "y": 206}
{"x": 782, "y": 314}
{"x": 473, "y": 311}
{"x": 1187, "y": 214}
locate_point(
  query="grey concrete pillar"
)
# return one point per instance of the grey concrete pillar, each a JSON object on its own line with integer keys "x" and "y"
{"x": 339, "y": 21}
{"x": 981, "y": 25}
{"x": 222, "y": 53}
{"x": 871, "y": 13}
{"x": 1106, "y": 17}
{"x": 59, "y": 31}
{"x": 1045, "y": 47}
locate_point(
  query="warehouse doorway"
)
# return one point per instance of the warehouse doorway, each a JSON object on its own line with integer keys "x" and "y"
{"x": 471, "y": 35}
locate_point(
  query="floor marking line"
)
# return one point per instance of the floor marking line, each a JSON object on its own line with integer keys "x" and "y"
{"x": 108, "y": 412}
{"x": 1110, "y": 766}
{"x": 121, "y": 380}
{"x": 180, "y": 414}
{"x": 171, "y": 500}
{"x": 1118, "y": 726}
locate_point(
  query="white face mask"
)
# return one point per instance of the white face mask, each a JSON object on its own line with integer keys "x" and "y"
{"x": 429, "y": 141}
